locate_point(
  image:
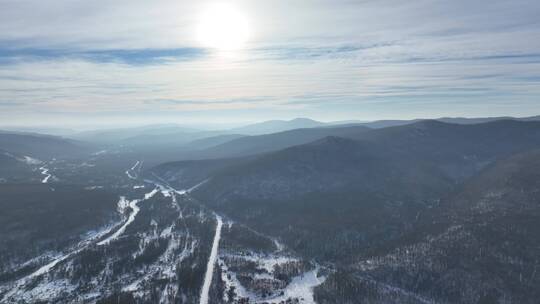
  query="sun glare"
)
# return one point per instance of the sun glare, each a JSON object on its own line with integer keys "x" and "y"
{"x": 223, "y": 27}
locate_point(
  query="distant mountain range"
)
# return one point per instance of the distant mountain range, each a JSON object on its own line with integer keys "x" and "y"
{"x": 251, "y": 145}
{"x": 43, "y": 147}
{"x": 235, "y": 145}
{"x": 179, "y": 139}
{"x": 171, "y": 141}
{"x": 274, "y": 126}
{"x": 121, "y": 135}
{"x": 455, "y": 120}
{"x": 265, "y": 127}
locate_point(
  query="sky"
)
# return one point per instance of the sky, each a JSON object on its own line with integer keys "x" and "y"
{"x": 126, "y": 62}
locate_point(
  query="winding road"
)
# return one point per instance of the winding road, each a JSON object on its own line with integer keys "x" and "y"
{"x": 45, "y": 171}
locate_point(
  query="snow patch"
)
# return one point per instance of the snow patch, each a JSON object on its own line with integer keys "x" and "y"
{"x": 32, "y": 161}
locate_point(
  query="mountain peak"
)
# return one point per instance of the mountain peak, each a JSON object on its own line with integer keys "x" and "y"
{"x": 304, "y": 119}
{"x": 273, "y": 126}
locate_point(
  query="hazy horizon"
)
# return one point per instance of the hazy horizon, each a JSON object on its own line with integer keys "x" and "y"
{"x": 62, "y": 128}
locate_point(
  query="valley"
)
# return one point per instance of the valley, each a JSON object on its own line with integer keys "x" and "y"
{"x": 428, "y": 212}
{"x": 148, "y": 248}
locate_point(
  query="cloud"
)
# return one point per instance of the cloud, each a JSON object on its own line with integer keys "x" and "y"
{"x": 10, "y": 104}
{"x": 134, "y": 57}
{"x": 327, "y": 58}
{"x": 160, "y": 101}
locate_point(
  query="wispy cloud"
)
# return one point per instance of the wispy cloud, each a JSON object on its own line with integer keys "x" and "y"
{"x": 134, "y": 57}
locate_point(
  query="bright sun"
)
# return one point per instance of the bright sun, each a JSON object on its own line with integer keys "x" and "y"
{"x": 223, "y": 27}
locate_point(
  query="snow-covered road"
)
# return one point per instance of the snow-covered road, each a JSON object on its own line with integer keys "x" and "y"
{"x": 131, "y": 173}
{"x": 133, "y": 205}
{"x": 211, "y": 263}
